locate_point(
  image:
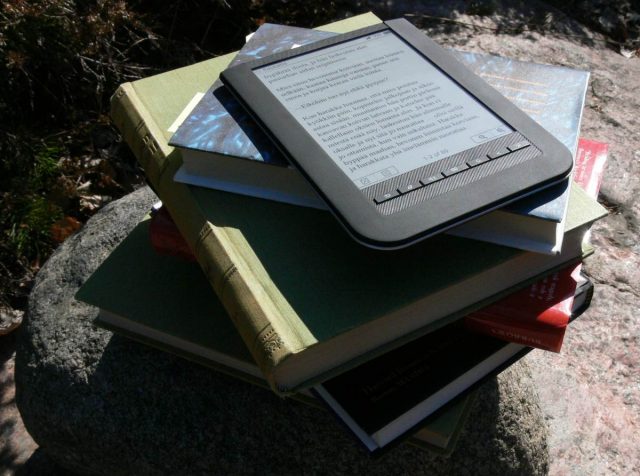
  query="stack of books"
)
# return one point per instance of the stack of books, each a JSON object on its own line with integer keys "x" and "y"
{"x": 392, "y": 342}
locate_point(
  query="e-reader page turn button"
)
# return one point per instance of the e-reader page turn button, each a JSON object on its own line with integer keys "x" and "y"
{"x": 498, "y": 153}
{"x": 519, "y": 145}
{"x": 386, "y": 196}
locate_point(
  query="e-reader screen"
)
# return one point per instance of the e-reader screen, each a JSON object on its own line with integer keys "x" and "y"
{"x": 377, "y": 108}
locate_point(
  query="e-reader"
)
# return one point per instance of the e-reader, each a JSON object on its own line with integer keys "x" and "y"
{"x": 399, "y": 139}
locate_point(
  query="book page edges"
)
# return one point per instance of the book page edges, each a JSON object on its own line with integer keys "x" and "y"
{"x": 352, "y": 23}
{"x": 531, "y": 233}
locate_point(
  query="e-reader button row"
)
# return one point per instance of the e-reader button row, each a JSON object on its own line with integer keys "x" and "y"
{"x": 402, "y": 190}
{"x": 407, "y": 188}
{"x": 502, "y": 151}
{"x": 496, "y": 154}
{"x": 423, "y": 182}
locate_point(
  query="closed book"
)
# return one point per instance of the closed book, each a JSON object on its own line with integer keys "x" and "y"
{"x": 165, "y": 237}
{"x": 218, "y": 131}
{"x": 590, "y": 161}
{"x": 537, "y": 316}
{"x": 307, "y": 300}
{"x": 176, "y": 311}
{"x": 589, "y": 165}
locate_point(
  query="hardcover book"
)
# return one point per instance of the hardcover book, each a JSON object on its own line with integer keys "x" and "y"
{"x": 219, "y": 130}
{"x": 590, "y": 162}
{"x": 192, "y": 322}
{"x": 307, "y": 300}
{"x": 535, "y": 316}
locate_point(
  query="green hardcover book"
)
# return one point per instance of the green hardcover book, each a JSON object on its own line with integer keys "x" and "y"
{"x": 307, "y": 300}
{"x": 192, "y": 323}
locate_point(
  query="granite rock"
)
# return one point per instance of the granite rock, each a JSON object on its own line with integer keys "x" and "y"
{"x": 98, "y": 403}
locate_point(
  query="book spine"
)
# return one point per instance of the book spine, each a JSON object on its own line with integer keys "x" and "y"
{"x": 256, "y": 308}
{"x": 245, "y": 298}
{"x": 138, "y": 130}
{"x": 589, "y": 169}
{"x": 165, "y": 237}
{"x": 546, "y": 339}
{"x": 536, "y": 316}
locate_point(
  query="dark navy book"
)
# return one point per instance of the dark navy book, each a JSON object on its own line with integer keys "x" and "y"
{"x": 223, "y": 148}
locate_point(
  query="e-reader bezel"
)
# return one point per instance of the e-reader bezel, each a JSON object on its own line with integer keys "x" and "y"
{"x": 360, "y": 215}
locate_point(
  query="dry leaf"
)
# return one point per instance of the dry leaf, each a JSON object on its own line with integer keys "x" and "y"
{"x": 63, "y": 228}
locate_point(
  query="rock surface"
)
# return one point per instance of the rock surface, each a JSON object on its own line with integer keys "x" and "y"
{"x": 16, "y": 446}
{"x": 98, "y": 403}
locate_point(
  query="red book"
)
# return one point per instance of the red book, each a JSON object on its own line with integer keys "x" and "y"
{"x": 538, "y": 315}
{"x": 165, "y": 237}
{"x": 589, "y": 168}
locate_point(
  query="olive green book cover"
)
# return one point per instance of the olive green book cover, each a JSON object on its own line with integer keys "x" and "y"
{"x": 178, "y": 312}
{"x": 307, "y": 300}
